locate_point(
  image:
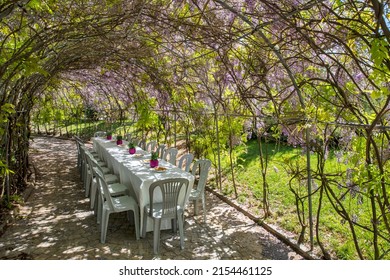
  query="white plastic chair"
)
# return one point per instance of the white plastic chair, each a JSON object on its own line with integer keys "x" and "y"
{"x": 160, "y": 150}
{"x": 91, "y": 187}
{"x": 200, "y": 170}
{"x": 170, "y": 155}
{"x": 115, "y": 205}
{"x": 151, "y": 146}
{"x": 185, "y": 161}
{"x": 81, "y": 159}
{"x": 169, "y": 208}
{"x": 128, "y": 137}
{"x": 100, "y": 134}
{"x": 86, "y": 153}
{"x": 135, "y": 140}
{"x": 86, "y": 174}
{"x": 142, "y": 144}
{"x": 83, "y": 164}
{"x": 115, "y": 189}
{"x": 80, "y": 142}
{"x": 79, "y": 155}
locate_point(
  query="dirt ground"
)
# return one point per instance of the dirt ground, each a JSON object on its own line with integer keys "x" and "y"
{"x": 56, "y": 223}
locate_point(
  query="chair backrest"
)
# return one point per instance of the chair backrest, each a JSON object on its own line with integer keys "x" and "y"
{"x": 103, "y": 188}
{"x": 86, "y": 160}
{"x": 170, "y": 155}
{"x": 83, "y": 151}
{"x": 160, "y": 150}
{"x": 99, "y": 134}
{"x": 170, "y": 190}
{"x": 134, "y": 140}
{"x": 92, "y": 163}
{"x": 151, "y": 146}
{"x": 78, "y": 139}
{"x": 142, "y": 144}
{"x": 128, "y": 137}
{"x": 185, "y": 162}
{"x": 201, "y": 168}
{"x": 78, "y": 144}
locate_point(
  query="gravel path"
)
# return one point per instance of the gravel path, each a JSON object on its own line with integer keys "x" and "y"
{"x": 56, "y": 223}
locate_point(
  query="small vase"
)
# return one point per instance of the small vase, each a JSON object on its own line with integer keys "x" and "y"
{"x": 153, "y": 163}
{"x": 109, "y": 137}
{"x": 119, "y": 142}
{"x": 132, "y": 151}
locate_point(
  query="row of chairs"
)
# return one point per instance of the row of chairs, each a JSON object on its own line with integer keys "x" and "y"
{"x": 105, "y": 192}
{"x": 108, "y": 196}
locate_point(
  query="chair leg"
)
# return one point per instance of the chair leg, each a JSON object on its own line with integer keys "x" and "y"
{"x": 104, "y": 225}
{"x": 83, "y": 177}
{"x": 156, "y": 236}
{"x": 88, "y": 185}
{"x": 78, "y": 160}
{"x": 204, "y": 207}
{"x": 181, "y": 229}
{"x": 99, "y": 209}
{"x": 136, "y": 221}
{"x": 174, "y": 225}
{"x": 144, "y": 224}
{"x": 196, "y": 212}
{"x": 82, "y": 166}
{"x": 92, "y": 195}
{"x": 85, "y": 171}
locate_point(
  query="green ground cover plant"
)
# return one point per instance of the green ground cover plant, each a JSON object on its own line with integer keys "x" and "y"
{"x": 334, "y": 230}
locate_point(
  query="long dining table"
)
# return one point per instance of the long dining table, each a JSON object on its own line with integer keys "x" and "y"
{"x": 134, "y": 171}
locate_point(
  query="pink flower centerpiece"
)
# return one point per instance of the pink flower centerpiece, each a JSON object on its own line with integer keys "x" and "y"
{"x": 154, "y": 160}
{"x": 131, "y": 148}
{"x": 119, "y": 140}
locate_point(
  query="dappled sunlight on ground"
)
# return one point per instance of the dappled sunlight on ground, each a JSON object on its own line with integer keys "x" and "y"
{"x": 56, "y": 223}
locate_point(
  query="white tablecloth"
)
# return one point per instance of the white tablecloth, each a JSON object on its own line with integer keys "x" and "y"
{"x": 136, "y": 173}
